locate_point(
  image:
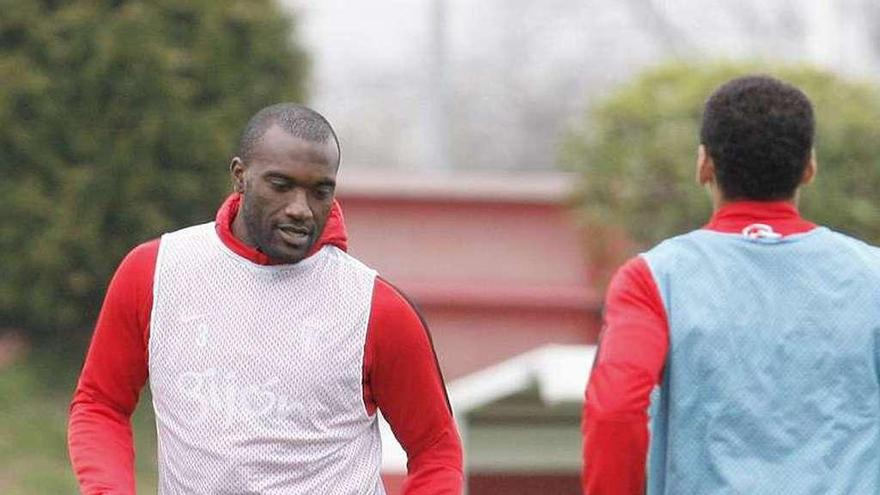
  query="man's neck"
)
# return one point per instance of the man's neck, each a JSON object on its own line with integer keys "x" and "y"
{"x": 239, "y": 229}
{"x": 719, "y": 201}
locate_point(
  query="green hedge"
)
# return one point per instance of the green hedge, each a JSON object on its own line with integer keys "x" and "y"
{"x": 636, "y": 151}
{"x": 117, "y": 122}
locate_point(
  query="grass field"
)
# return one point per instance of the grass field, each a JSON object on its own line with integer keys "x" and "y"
{"x": 34, "y": 397}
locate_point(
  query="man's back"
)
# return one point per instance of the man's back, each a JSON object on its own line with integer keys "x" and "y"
{"x": 770, "y": 382}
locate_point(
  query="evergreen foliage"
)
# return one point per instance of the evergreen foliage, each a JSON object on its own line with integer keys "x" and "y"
{"x": 636, "y": 151}
{"x": 117, "y": 123}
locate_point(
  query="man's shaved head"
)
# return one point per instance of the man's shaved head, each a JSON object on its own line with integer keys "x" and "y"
{"x": 297, "y": 120}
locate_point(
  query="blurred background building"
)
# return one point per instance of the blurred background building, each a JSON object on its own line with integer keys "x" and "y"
{"x": 498, "y": 270}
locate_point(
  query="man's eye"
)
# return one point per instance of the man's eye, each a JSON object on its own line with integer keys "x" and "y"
{"x": 278, "y": 184}
{"x": 323, "y": 193}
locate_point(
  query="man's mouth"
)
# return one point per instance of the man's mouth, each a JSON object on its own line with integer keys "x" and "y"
{"x": 296, "y": 235}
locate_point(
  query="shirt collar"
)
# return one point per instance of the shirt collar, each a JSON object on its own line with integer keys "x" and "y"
{"x": 781, "y": 216}
{"x": 334, "y": 232}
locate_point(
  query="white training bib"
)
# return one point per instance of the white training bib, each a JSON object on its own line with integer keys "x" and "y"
{"x": 257, "y": 371}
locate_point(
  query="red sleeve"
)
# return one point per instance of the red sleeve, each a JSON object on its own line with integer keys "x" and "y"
{"x": 99, "y": 432}
{"x": 403, "y": 379}
{"x": 629, "y": 363}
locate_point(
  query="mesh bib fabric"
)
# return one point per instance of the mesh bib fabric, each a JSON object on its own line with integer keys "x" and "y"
{"x": 256, "y": 372}
{"x": 771, "y": 381}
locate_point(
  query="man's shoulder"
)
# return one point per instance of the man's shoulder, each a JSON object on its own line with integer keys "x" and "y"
{"x": 392, "y": 298}
{"x": 846, "y": 243}
{"x": 673, "y": 246}
{"x": 395, "y": 316}
{"x": 145, "y": 249}
{"x": 190, "y": 231}
{"x": 189, "y": 241}
{"x": 135, "y": 272}
{"x": 144, "y": 254}
{"x": 850, "y": 239}
{"x": 346, "y": 260}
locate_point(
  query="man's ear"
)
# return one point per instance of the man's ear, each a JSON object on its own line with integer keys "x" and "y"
{"x": 705, "y": 167}
{"x": 236, "y": 171}
{"x": 810, "y": 170}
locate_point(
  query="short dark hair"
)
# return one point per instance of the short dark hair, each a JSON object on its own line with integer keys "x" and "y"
{"x": 295, "y": 119}
{"x": 758, "y": 131}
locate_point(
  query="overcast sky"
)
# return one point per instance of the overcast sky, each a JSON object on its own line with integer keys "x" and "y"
{"x": 518, "y": 72}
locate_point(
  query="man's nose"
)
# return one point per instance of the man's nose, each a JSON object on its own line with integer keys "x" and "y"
{"x": 298, "y": 205}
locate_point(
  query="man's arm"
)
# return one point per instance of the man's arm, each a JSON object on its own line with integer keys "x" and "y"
{"x": 632, "y": 351}
{"x": 99, "y": 431}
{"x": 403, "y": 379}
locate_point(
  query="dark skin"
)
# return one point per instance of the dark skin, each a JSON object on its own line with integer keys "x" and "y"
{"x": 287, "y": 187}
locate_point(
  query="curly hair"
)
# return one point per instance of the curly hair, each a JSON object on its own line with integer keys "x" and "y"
{"x": 758, "y": 131}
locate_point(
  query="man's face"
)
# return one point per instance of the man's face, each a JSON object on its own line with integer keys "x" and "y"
{"x": 287, "y": 190}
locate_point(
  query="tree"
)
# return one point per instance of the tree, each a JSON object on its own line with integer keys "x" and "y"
{"x": 117, "y": 122}
{"x": 636, "y": 151}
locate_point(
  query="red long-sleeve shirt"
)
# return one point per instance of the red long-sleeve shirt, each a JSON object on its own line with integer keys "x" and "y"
{"x": 632, "y": 352}
{"x": 401, "y": 376}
